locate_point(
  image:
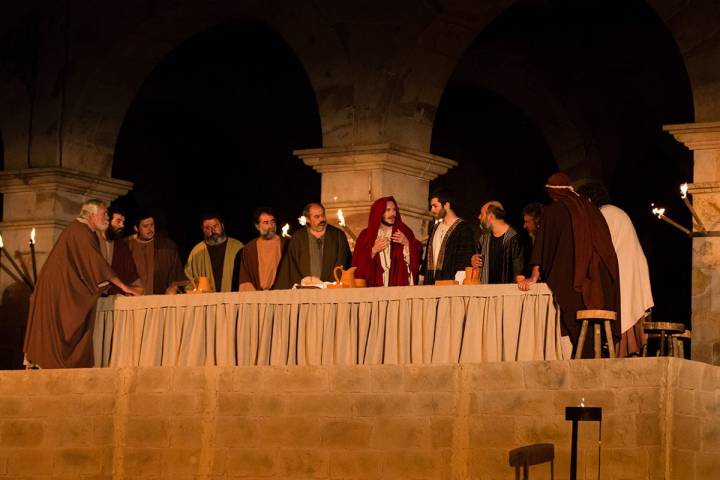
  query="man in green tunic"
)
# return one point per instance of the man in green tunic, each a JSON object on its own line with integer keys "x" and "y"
{"x": 314, "y": 250}
{"x": 216, "y": 257}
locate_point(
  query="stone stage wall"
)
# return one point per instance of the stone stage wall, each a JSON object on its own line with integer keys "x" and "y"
{"x": 661, "y": 421}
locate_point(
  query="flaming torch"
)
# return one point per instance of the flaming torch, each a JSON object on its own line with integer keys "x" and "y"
{"x": 285, "y": 229}
{"x": 683, "y": 195}
{"x": 660, "y": 213}
{"x": 19, "y": 272}
{"x": 32, "y": 255}
{"x": 341, "y": 222}
{"x": 302, "y": 220}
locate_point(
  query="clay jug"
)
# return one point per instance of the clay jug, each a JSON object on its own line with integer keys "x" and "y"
{"x": 202, "y": 284}
{"x": 345, "y": 278}
{"x": 472, "y": 276}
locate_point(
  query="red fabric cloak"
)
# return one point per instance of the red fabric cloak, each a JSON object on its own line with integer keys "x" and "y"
{"x": 371, "y": 268}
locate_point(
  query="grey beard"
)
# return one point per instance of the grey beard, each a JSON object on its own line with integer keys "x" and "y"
{"x": 215, "y": 239}
{"x": 268, "y": 235}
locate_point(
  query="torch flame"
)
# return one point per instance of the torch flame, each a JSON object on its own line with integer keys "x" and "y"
{"x": 285, "y": 229}
{"x": 683, "y": 190}
{"x": 32, "y": 236}
{"x": 302, "y": 220}
{"x": 341, "y": 217}
{"x": 659, "y": 212}
{"x": 1, "y": 242}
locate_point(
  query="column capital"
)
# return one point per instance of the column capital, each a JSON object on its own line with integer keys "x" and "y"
{"x": 52, "y": 179}
{"x": 696, "y": 136}
{"x": 52, "y": 196}
{"x": 385, "y": 156}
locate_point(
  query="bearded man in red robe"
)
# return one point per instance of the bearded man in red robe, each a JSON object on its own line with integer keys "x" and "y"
{"x": 387, "y": 252}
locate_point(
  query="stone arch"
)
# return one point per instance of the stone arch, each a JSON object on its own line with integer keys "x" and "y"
{"x": 424, "y": 67}
{"x": 97, "y": 112}
{"x": 222, "y": 111}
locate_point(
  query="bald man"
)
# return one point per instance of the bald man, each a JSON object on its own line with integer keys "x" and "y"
{"x": 502, "y": 255}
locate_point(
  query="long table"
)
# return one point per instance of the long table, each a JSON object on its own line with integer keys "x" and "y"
{"x": 397, "y": 325}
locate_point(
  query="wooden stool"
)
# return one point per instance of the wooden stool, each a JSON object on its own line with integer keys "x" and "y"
{"x": 679, "y": 340}
{"x": 596, "y": 316}
{"x": 663, "y": 331}
{"x": 532, "y": 455}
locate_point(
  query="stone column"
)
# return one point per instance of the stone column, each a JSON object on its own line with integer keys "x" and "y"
{"x": 704, "y": 140}
{"x": 46, "y": 199}
{"x": 353, "y": 177}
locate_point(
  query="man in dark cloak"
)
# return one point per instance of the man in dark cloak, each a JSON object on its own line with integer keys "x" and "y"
{"x": 314, "y": 251}
{"x": 62, "y": 307}
{"x": 573, "y": 253}
{"x": 502, "y": 256}
{"x": 156, "y": 257}
{"x": 386, "y": 252}
{"x": 261, "y": 257}
{"x": 451, "y": 242}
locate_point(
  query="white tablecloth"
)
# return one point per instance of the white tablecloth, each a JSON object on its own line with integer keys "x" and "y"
{"x": 398, "y": 325}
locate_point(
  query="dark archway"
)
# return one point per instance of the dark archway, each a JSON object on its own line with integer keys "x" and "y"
{"x": 213, "y": 129}
{"x": 491, "y": 139}
{"x": 598, "y": 79}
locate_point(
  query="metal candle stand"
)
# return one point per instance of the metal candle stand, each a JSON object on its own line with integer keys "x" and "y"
{"x": 582, "y": 414}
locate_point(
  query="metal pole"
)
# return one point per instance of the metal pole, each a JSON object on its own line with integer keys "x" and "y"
{"x": 573, "y": 453}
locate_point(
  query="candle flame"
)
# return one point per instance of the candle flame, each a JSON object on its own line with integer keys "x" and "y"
{"x": 1, "y": 242}
{"x": 582, "y": 402}
{"x": 659, "y": 212}
{"x": 683, "y": 190}
{"x": 341, "y": 217}
{"x": 302, "y": 220}
{"x": 32, "y": 236}
{"x": 285, "y": 229}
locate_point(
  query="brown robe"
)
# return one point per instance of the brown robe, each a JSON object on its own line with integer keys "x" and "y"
{"x": 554, "y": 252}
{"x": 249, "y": 271}
{"x": 296, "y": 263}
{"x": 123, "y": 265}
{"x": 167, "y": 267}
{"x": 62, "y": 308}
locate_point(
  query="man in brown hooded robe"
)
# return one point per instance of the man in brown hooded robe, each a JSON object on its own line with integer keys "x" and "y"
{"x": 62, "y": 307}
{"x": 573, "y": 253}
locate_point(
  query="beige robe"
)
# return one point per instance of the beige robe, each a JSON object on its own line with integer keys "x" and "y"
{"x": 635, "y": 293}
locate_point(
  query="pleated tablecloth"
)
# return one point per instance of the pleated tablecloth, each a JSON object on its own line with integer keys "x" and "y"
{"x": 397, "y": 325}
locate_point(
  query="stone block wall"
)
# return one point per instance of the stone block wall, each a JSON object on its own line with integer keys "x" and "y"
{"x": 661, "y": 420}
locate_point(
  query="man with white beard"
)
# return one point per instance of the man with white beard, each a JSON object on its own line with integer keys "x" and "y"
{"x": 262, "y": 255}
{"x": 62, "y": 308}
{"x": 216, "y": 257}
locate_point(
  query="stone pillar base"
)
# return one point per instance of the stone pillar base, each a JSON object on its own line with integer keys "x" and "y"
{"x": 353, "y": 177}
